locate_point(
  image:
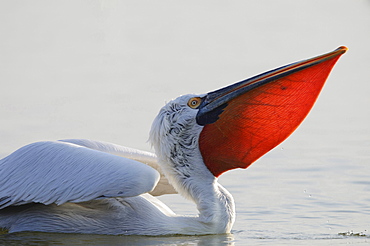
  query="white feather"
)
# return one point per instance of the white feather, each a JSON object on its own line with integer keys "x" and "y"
{"x": 150, "y": 159}
{"x": 86, "y": 186}
{"x": 60, "y": 172}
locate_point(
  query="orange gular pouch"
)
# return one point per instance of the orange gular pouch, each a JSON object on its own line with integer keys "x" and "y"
{"x": 260, "y": 118}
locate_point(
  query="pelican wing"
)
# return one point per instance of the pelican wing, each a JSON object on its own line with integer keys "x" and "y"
{"x": 59, "y": 172}
{"x": 150, "y": 159}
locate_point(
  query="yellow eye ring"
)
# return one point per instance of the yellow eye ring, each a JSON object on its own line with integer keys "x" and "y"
{"x": 194, "y": 102}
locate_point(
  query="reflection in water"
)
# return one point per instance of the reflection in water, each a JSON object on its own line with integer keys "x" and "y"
{"x": 353, "y": 234}
{"x": 80, "y": 77}
{"x": 80, "y": 239}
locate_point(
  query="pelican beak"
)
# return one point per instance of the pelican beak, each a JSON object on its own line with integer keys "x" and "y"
{"x": 245, "y": 120}
{"x": 214, "y": 102}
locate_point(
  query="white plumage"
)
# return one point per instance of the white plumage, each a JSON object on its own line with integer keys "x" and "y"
{"x": 84, "y": 186}
{"x": 60, "y": 172}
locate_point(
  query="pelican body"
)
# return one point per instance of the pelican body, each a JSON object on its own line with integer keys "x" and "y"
{"x": 85, "y": 186}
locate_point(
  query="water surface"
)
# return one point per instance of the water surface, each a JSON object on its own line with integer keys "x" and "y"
{"x": 102, "y": 69}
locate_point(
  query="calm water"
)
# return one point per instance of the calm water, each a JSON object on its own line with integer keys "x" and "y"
{"x": 102, "y": 69}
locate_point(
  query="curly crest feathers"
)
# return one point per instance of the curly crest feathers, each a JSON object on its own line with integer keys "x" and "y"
{"x": 175, "y": 138}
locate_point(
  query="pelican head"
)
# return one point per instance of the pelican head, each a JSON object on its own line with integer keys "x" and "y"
{"x": 175, "y": 138}
{"x": 232, "y": 127}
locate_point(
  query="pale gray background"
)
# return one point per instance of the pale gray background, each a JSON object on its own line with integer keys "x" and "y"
{"x": 102, "y": 70}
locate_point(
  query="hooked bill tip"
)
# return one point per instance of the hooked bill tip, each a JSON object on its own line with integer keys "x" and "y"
{"x": 343, "y": 49}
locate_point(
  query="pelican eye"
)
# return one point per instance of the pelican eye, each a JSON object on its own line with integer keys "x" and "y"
{"x": 194, "y": 102}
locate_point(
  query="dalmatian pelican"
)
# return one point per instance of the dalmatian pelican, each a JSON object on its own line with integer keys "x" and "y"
{"x": 85, "y": 186}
